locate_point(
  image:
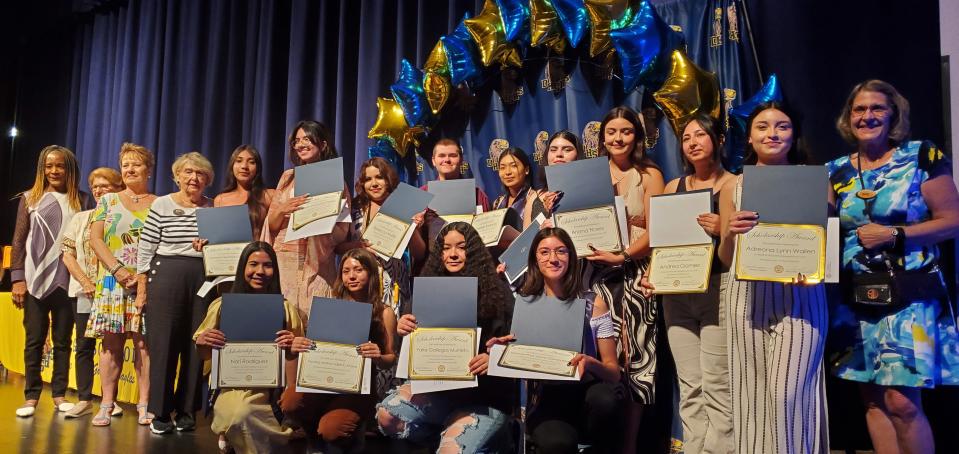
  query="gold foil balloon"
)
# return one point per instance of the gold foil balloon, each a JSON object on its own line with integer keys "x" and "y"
{"x": 687, "y": 90}
{"x": 490, "y": 37}
{"x": 391, "y": 125}
{"x": 436, "y": 78}
{"x": 605, "y": 16}
{"x": 546, "y": 29}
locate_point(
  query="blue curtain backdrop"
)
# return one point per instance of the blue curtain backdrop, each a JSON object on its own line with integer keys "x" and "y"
{"x": 211, "y": 75}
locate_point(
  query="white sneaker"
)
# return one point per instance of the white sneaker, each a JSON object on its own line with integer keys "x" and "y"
{"x": 65, "y": 406}
{"x": 26, "y": 411}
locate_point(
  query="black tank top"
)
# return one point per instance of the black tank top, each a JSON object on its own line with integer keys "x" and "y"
{"x": 717, "y": 266}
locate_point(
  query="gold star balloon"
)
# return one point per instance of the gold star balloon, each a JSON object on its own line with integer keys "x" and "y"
{"x": 436, "y": 78}
{"x": 687, "y": 90}
{"x": 490, "y": 37}
{"x": 546, "y": 29}
{"x": 391, "y": 126}
{"x": 605, "y": 16}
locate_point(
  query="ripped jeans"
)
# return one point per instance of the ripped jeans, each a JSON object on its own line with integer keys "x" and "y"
{"x": 462, "y": 427}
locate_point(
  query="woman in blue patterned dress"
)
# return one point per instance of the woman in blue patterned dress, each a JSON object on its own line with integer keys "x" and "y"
{"x": 896, "y": 200}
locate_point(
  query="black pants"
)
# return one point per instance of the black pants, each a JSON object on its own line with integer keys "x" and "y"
{"x": 83, "y": 352}
{"x": 38, "y": 314}
{"x": 172, "y": 314}
{"x": 568, "y": 414}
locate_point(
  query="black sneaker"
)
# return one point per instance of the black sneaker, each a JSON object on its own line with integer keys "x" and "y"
{"x": 185, "y": 422}
{"x": 161, "y": 426}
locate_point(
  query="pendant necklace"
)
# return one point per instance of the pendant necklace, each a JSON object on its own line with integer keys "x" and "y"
{"x": 864, "y": 193}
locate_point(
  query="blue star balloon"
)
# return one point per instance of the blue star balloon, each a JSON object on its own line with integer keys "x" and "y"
{"x": 575, "y": 19}
{"x": 515, "y": 15}
{"x": 408, "y": 91}
{"x": 769, "y": 92}
{"x": 638, "y": 44}
{"x": 382, "y": 149}
{"x": 461, "y": 54}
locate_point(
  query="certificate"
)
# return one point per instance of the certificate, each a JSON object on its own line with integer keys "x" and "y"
{"x": 779, "y": 252}
{"x": 442, "y": 353}
{"x": 451, "y": 218}
{"x": 385, "y": 233}
{"x": 595, "y": 226}
{"x": 222, "y": 259}
{"x": 538, "y": 359}
{"x": 681, "y": 269}
{"x": 249, "y": 365}
{"x": 332, "y": 367}
{"x": 489, "y": 225}
{"x": 316, "y": 207}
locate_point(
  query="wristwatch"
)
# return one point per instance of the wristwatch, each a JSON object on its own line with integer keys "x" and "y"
{"x": 899, "y": 239}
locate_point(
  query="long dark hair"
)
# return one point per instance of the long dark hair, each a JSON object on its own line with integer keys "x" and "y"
{"x": 493, "y": 291}
{"x": 239, "y": 283}
{"x": 254, "y": 199}
{"x": 374, "y": 286}
{"x": 714, "y": 130}
{"x": 317, "y": 133}
{"x": 572, "y": 279}
{"x": 362, "y": 201}
{"x": 523, "y": 158}
{"x": 797, "y": 152}
{"x": 638, "y": 157}
{"x": 568, "y": 136}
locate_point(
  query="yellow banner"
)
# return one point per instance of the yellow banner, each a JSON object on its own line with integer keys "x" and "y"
{"x": 11, "y": 354}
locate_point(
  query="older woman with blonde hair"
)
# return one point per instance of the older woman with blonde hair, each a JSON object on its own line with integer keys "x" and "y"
{"x": 80, "y": 260}
{"x": 170, "y": 272}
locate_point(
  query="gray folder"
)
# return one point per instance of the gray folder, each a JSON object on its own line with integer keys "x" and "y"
{"x": 516, "y": 256}
{"x": 405, "y": 202}
{"x": 584, "y": 183}
{"x": 319, "y": 177}
{"x": 251, "y": 317}
{"x": 339, "y": 321}
{"x": 453, "y": 196}
{"x": 547, "y": 321}
{"x": 225, "y": 224}
{"x": 786, "y": 194}
{"x": 445, "y": 302}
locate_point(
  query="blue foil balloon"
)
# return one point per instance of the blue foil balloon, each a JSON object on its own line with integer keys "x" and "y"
{"x": 638, "y": 44}
{"x": 382, "y": 149}
{"x": 461, "y": 54}
{"x": 408, "y": 92}
{"x": 515, "y": 15}
{"x": 575, "y": 19}
{"x": 770, "y": 92}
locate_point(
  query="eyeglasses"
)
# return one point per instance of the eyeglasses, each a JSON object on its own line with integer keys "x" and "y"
{"x": 878, "y": 110}
{"x": 304, "y": 140}
{"x": 544, "y": 254}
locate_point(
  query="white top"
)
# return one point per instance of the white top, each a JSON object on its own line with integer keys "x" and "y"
{"x": 169, "y": 230}
{"x": 76, "y": 238}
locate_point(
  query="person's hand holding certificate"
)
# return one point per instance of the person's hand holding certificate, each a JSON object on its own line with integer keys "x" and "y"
{"x": 227, "y": 231}
{"x": 390, "y": 227}
{"x": 682, "y": 255}
{"x": 444, "y": 342}
{"x": 548, "y": 333}
{"x": 334, "y": 362}
{"x": 587, "y": 210}
{"x": 251, "y": 358}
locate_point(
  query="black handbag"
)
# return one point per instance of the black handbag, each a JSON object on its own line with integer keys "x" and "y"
{"x": 892, "y": 288}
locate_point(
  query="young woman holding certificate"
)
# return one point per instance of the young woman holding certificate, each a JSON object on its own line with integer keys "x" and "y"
{"x": 472, "y": 419}
{"x": 564, "y": 415}
{"x": 777, "y": 331}
{"x": 562, "y": 147}
{"x": 695, "y": 322}
{"x": 244, "y": 186}
{"x": 339, "y": 418}
{"x": 634, "y": 177}
{"x": 244, "y": 418}
{"x": 308, "y": 265}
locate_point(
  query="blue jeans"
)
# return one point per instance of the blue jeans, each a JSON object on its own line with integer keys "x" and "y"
{"x": 472, "y": 428}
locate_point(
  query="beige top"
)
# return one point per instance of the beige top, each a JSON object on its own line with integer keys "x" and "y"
{"x": 630, "y": 186}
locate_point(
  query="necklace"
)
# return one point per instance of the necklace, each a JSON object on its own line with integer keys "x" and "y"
{"x": 864, "y": 193}
{"x": 135, "y": 197}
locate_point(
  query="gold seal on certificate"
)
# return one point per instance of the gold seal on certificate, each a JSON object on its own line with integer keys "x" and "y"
{"x": 489, "y": 225}
{"x": 221, "y": 259}
{"x": 249, "y": 365}
{"x": 442, "y": 353}
{"x": 385, "y": 233}
{"x": 594, "y": 226}
{"x": 779, "y": 252}
{"x": 316, "y": 207}
{"x": 681, "y": 269}
{"x": 538, "y": 359}
{"x": 331, "y": 367}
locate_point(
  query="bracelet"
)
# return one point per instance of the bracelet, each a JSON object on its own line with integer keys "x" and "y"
{"x": 113, "y": 269}
{"x": 626, "y": 257}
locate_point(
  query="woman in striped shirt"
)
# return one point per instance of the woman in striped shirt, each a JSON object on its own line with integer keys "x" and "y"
{"x": 170, "y": 274}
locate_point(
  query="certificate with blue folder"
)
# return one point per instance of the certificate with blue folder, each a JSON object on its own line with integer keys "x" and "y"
{"x": 388, "y": 231}
{"x": 516, "y": 256}
{"x": 323, "y": 182}
{"x": 444, "y": 341}
{"x": 251, "y": 358}
{"x": 587, "y": 211}
{"x": 227, "y": 231}
{"x": 548, "y": 331}
{"x": 455, "y": 200}
{"x": 336, "y": 327}
{"x": 790, "y": 239}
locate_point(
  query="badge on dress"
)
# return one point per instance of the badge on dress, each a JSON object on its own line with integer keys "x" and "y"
{"x": 178, "y": 212}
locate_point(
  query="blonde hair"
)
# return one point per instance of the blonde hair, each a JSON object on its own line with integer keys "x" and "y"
{"x": 198, "y": 160}
{"x": 33, "y": 195}
{"x": 107, "y": 173}
{"x": 898, "y": 125}
{"x": 145, "y": 155}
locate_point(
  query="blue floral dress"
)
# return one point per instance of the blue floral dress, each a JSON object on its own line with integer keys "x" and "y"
{"x": 916, "y": 346}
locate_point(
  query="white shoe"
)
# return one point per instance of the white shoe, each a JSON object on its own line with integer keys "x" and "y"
{"x": 65, "y": 406}
{"x": 117, "y": 411}
{"x": 26, "y": 411}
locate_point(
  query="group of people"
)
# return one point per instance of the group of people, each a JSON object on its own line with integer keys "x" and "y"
{"x": 750, "y": 356}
